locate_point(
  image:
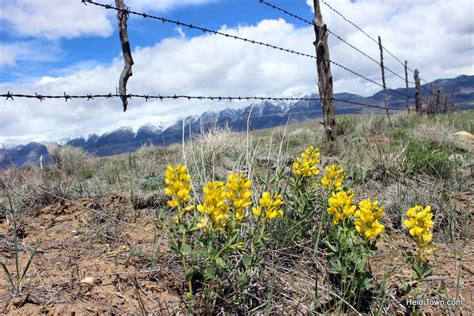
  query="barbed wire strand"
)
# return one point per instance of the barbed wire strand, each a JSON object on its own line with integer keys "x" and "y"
{"x": 206, "y": 30}
{"x": 163, "y": 137}
{"x": 334, "y": 34}
{"x": 10, "y": 96}
{"x": 370, "y": 37}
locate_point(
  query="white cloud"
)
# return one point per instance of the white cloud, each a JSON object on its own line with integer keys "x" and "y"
{"x": 32, "y": 50}
{"x": 53, "y": 19}
{"x": 164, "y": 5}
{"x": 7, "y": 56}
{"x": 213, "y": 65}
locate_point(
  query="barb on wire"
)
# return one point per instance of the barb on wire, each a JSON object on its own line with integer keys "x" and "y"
{"x": 206, "y": 30}
{"x": 332, "y": 33}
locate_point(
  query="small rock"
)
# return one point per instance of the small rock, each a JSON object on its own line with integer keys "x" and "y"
{"x": 456, "y": 158}
{"x": 90, "y": 281}
{"x": 465, "y": 135}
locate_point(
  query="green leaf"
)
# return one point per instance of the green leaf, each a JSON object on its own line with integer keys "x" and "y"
{"x": 25, "y": 270}
{"x": 367, "y": 282}
{"x": 182, "y": 229}
{"x": 247, "y": 261}
{"x": 10, "y": 279}
{"x": 258, "y": 244}
{"x": 220, "y": 263}
{"x": 233, "y": 239}
{"x": 190, "y": 273}
{"x": 209, "y": 273}
{"x": 331, "y": 247}
{"x": 336, "y": 266}
{"x": 185, "y": 249}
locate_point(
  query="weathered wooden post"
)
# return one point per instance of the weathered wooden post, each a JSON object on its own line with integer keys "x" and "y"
{"x": 383, "y": 81}
{"x": 122, "y": 17}
{"x": 406, "y": 86}
{"x": 325, "y": 84}
{"x": 417, "y": 91}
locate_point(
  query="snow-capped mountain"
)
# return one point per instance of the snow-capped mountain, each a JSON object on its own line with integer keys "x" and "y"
{"x": 262, "y": 115}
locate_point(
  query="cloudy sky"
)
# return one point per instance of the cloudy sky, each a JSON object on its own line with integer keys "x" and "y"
{"x": 57, "y": 46}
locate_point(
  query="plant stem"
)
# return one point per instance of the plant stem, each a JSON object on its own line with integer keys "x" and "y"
{"x": 183, "y": 257}
{"x": 15, "y": 245}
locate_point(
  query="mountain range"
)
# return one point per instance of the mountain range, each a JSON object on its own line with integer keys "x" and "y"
{"x": 263, "y": 115}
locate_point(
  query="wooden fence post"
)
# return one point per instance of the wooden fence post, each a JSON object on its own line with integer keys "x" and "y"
{"x": 122, "y": 17}
{"x": 406, "y": 86}
{"x": 417, "y": 91}
{"x": 325, "y": 84}
{"x": 383, "y": 81}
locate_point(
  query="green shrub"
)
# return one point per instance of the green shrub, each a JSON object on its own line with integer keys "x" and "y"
{"x": 345, "y": 125}
{"x": 71, "y": 160}
{"x": 152, "y": 183}
{"x": 428, "y": 158}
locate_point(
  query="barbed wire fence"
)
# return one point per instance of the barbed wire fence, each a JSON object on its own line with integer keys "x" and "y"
{"x": 377, "y": 43}
{"x": 121, "y": 94}
{"x": 123, "y": 12}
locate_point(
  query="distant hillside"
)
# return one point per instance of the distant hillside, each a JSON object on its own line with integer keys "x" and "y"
{"x": 265, "y": 114}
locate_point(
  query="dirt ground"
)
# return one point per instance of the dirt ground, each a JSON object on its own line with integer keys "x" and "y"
{"x": 93, "y": 257}
{"x": 90, "y": 259}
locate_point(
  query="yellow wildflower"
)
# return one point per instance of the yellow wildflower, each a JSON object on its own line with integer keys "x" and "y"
{"x": 238, "y": 246}
{"x": 214, "y": 204}
{"x": 333, "y": 179}
{"x": 340, "y": 206}
{"x": 367, "y": 219}
{"x": 202, "y": 222}
{"x": 239, "y": 194}
{"x": 178, "y": 187}
{"x": 419, "y": 224}
{"x": 271, "y": 206}
{"x": 307, "y": 164}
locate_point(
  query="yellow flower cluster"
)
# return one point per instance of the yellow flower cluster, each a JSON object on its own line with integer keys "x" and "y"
{"x": 367, "y": 219}
{"x": 307, "y": 164}
{"x": 214, "y": 204}
{"x": 269, "y": 206}
{"x": 178, "y": 187}
{"x": 220, "y": 198}
{"x": 239, "y": 194}
{"x": 340, "y": 206}
{"x": 334, "y": 178}
{"x": 419, "y": 224}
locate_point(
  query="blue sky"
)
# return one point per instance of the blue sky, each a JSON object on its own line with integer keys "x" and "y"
{"x": 56, "y": 46}
{"x": 67, "y": 52}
